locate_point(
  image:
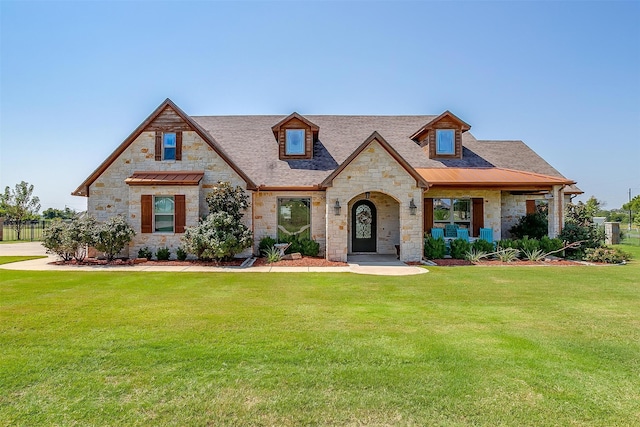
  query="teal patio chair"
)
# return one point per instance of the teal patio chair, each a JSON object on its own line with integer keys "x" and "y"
{"x": 437, "y": 232}
{"x": 451, "y": 230}
{"x": 462, "y": 233}
{"x": 486, "y": 234}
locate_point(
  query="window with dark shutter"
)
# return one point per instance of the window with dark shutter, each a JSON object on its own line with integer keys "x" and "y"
{"x": 146, "y": 213}
{"x": 478, "y": 215}
{"x": 178, "y": 145}
{"x": 181, "y": 212}
{"x": 158, "y": 146}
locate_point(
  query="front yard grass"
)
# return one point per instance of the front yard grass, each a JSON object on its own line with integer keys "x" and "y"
{"x": 457, "y": 346}
{"x": 9, "y": 259}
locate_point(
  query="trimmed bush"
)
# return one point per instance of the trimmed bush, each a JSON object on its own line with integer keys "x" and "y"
{"x": 533, "y": 225}
{"x": 607, "y": 255}
{"x": 218, "y": 237}
{"x": 482, "y": 246}
{"x": 303, "y": 245}
{"x": 548, "y": 245}
{"x": 434, "y": 248}
{"x": 163, "y": 254}
{"x": 113, "y": 235}
{"x": 181, "y": 254}
{"x": 460, "y": 248}
{"x": 144, "y": 253}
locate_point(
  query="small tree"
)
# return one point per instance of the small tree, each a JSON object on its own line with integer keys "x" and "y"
{"x": 113, "y": 235}
{"x": 19, "y": 205}
{"x": 222, "y": 234}
{"x": 534, "y": 225}
{"x": 579, "y": 227}
{"x": 70, "y": 239}
{"x": 57, "y": 240}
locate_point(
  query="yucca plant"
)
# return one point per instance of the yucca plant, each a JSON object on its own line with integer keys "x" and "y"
{"x": 507, "y": 254}
{"x": 475, "y": 255}
{"x": 533, "y": 254}
{"x": 272, "y": 254}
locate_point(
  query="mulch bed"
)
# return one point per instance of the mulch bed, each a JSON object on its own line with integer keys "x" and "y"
{"x": 303, "y": 262}
{"x": 450, "y": 262}
{"x": 236, "y": 262}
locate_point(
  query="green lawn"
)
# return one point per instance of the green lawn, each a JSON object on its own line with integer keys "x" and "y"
{"x": 8, "y": 259}
{"x": 467, "y": 346}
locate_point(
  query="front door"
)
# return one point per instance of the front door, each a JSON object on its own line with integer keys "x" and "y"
{"x": 363, "y": 232}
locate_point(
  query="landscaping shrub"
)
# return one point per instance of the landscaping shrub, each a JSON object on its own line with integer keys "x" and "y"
{"x": 475, "y": 255}
{"x": 144, "y": 253}
{"x": 481, "y": 245}
{"x": 460, "y": 248}
{"x": 507, "y": 244}
{"x": 527, "y": 244}
{"x": 221, "y": 234}
{"x": 218, "y": 237}
{"x": 303, "y": 245}
{"x": 266, "y": 243}
{"x": 272, "y": 254}
{"x": 163, "y": 254}
{"x": 70, "y": 239}
{"x": 548, "y": 245}
{"x": 532, "y": 254}
{"x": 181, "y": 254}
{"x": 113, "y": 235}
{"x": 579, "y": 227}
{"x": 507, "y": 254}
{"x": 534, "y": 225}
{"x": 434, "y": 248}
{"x": 57, "y": 241}
{"x": 607, "y": 255}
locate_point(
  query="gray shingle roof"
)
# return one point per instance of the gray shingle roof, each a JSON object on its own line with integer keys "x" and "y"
{"x": 249, "y": 142}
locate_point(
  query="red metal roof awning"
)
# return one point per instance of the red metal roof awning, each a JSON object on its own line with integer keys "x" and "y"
{"x": 165, "y": 178}
{"x": 488, "y": 177}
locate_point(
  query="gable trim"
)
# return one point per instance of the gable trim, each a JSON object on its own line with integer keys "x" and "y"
{"x": 375, "y": 136}
{"x": 464, "y": 126}
{"x": 276, "y": 128}
{"x": 83, "y": 189}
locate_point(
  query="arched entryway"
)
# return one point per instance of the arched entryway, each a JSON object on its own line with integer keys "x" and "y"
{"x": 364, "y": 227}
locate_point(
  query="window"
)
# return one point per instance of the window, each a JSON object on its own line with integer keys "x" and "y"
{"x": 294, "y": 218}
{"x": 452, "y": 211}
{"x": 163, "y": 214}
{"x": 168, "y": 146}
{"x": 294, "y": 142}
{"x": 445, "y": 141}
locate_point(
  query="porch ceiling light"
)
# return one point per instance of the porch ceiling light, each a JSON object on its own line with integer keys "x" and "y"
{"x": 337, "y": 207}
{"x": 412, "y": 207}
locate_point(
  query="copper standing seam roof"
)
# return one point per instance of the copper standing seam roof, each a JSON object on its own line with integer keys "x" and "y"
{"x": 165, "y": 178}
{"x": 487, "y": 177}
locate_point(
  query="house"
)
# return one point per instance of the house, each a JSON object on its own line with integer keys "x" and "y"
{"x": 352, "y": 183}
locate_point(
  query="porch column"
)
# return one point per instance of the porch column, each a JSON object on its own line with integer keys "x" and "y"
{"x": 336, "y": 231}
{"x": 556, "y": 211}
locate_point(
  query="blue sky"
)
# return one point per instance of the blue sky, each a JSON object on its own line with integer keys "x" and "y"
{"x": 78, "y": 77}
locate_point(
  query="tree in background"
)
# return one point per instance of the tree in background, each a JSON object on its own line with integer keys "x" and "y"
{"x": 52, "y": 213}
{"x": 634, "y": 207}
{"x": 19, "y": 206}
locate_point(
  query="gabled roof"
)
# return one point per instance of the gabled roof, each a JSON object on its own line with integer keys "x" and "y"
{"x": 83, "y": 189}
{"x": 465, "y": 126}
{"x": 165, "y": 178}
{"x": 375, "y": 136}
{"x": 276, "y": 128}
{"x": 488, "y": 177}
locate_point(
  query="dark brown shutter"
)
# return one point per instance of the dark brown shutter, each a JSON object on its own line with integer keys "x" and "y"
{"x": 178, "y": 145}
{"x": 146, "y": 214}
{"x": 531, "y": 206}
{"x": 478, "y": 215}
{"x": 158, "y": 146}
{"x": 428, "y": 215}
{"x": 181, "y": 212}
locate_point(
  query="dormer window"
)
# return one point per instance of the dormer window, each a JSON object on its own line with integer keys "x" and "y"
{"x": 295, "y": 142}
{"x": 445, "y": 141}
{"x": 295, "y": 136}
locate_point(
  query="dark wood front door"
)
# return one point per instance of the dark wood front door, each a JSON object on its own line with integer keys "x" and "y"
{"x": 363, "y": 230}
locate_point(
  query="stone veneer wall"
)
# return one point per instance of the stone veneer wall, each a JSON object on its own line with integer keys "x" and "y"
{"x": 265, "y": 205}
{"x": 109, "y": 195}
{"x": 387, "y": 227}
{"x": 515, "y": 206}
{"x": 492, "y": 204}
{"x": 374, "y": 170}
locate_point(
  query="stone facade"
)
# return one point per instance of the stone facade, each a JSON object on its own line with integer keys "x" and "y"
{"x": 374, "y": 170}
{"x": 109, "y": 195}
{"x": 265, "y": 214}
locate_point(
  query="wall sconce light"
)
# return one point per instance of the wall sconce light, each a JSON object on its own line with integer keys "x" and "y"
{"x": 367, "y": 195}
{"x": 337, "y": 207}
{"x": 412, "y": 207}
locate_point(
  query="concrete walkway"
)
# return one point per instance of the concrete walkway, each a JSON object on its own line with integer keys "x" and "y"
{"x": 379, "y": 265}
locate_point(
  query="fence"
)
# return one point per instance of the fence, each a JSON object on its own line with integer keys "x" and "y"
{"x": 31, "y": 230}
